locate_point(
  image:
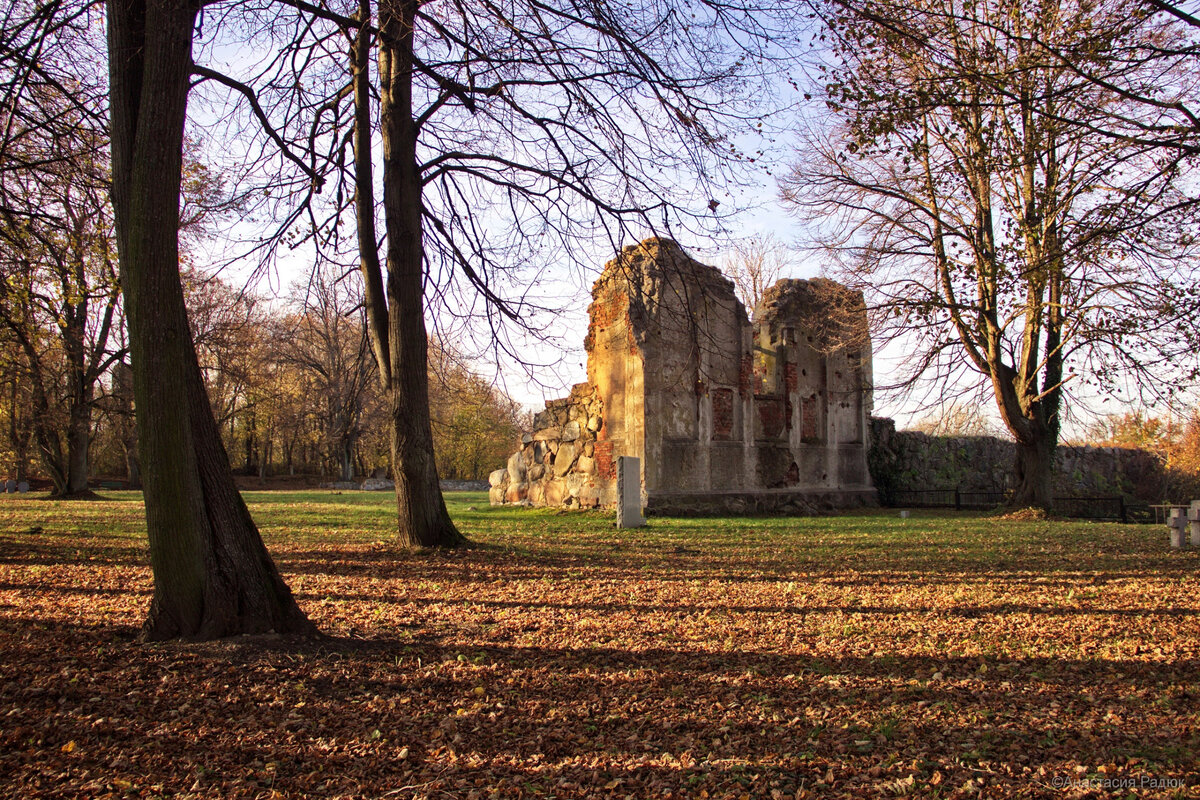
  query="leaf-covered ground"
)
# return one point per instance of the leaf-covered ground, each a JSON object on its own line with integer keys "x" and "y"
{"x": 856, "y": 656}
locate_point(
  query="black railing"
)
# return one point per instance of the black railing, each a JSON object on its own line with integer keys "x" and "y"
{"x": 1111, "y": 507}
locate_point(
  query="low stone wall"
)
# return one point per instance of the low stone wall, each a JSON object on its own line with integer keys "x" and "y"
{"x": 559, "y": 463}
{"x": 910, "y": 460}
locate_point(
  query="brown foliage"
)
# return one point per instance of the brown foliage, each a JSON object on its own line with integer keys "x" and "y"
{"x": 797, "y": 660}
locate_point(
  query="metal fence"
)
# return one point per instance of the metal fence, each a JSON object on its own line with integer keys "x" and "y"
{"x": 1112, "y": 507}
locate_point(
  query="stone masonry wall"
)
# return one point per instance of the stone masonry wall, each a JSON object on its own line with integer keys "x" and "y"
{"x": 912, "y": 460}
{"x": 559, "y": 463}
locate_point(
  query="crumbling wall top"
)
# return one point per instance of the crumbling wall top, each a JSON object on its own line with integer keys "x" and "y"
{"x": 831, "y": 316}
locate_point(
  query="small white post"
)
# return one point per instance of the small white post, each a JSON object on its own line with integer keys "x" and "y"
{"x": 629, "y": 492}
{"x": 1177, "y": 523}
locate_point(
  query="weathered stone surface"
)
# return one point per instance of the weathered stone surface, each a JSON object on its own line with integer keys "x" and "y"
{"x": 575, "y": 482}
{"x": 556, "y": 492}
{"x": 463, "y": 486}
{"x": 537, "y": 494}
{"x": 536, "y": 472}
{"x": 904, "y": 460}
{"x": 516, "y": 468}
{"x": 496, "y": 495}
{"x": 526, "y": 438}
{"x": 1177, "y": 524}
{"x": 589, "y": 496}
{"x": 629, "y": 491}
{"x": 564, "y": 459}
{"x": 377, "y": 485}
{"x": 516, "y": 492}
{"x": 679, "y": 377}
{"x": 497, "y": 477}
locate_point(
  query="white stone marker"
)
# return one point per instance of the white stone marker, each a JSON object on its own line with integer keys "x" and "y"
{"x": 1177, "y": 523}
{"x": 629, "y": 492}
{"x": 1194, "y": 522}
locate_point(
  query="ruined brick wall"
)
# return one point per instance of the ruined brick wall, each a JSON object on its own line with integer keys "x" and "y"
{"x": 713, "y": 405}
{"x": 814, "y": 367}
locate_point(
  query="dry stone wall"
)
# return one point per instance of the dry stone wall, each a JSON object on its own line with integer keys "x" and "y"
{"x": 723, "y": 413}
{"x": 911, "y": 460}
{"x": 557, "y": 464}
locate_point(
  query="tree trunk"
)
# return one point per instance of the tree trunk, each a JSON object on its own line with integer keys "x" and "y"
{"x": 422, "y": 517}
{"x": 79, "y": 434}
{"x": 46, "y": 437}
{"x": 20, "y": 433}
{"x": 212, "y": 574}
{"x": 346, "y": 461}
{"x": 1035, "y": 474}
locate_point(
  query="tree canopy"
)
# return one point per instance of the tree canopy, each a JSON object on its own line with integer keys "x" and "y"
{"x": 968, "y": 192}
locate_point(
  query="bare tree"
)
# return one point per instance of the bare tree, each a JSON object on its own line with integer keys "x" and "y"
{"x": 212, "y": 574}
{"x": 326, "y": 340}
{"x": 58, "y": 286}
{"x": 754, "y": 265}
{"x": 569, "y": 122}
{"x": 989, "y": 225}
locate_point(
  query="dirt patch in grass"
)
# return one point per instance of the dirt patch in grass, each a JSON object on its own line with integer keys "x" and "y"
{"x": 943, "y": 655}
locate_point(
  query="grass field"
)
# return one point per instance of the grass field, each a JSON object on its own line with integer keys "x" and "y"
{"x": 944, "y": 655}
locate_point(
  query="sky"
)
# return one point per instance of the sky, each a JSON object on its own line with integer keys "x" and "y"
{"x": 562, "y": 353}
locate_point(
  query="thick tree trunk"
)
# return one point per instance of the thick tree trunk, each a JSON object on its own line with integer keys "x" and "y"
{"x": 79, "y": 434}
{"x": 212, "y": 575}
{"x": 422, "y": 517}
{"x": 48, "y": 441}
{"x": 1035, "y": 474}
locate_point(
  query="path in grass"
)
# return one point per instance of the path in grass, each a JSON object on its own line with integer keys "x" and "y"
{"x": 864, "y": 655}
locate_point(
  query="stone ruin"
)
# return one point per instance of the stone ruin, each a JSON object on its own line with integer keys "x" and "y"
{"x": 725, "y": 414}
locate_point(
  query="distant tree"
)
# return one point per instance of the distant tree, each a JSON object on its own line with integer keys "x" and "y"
{"x": 1184, "y": 453}
{"x": 16, "y": 410}
{"x": 58, "y": 282}
{"x": 474, "y": 424}
{"x": 1129, "y": 429}
{"x": 992, "y": 230}
{"x": 325, "y": 341}
{"x": 956, "y": 419}
{"x": 754, "y": 265}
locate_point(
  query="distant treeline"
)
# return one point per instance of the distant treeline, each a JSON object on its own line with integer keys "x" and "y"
{"x": 292, "y": 385}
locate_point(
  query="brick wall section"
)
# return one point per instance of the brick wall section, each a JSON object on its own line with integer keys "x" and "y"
{"x": 605, "y": 467}
{"x": 791, "y": 380}
{"x": 808, "y": 419}
{"x": 722, "y": 410}
{"x": 770, "y": 416}
{"x": 746, "y": 375}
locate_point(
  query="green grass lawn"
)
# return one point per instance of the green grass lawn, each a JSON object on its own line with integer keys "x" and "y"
{"x": 860, "y": 655}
